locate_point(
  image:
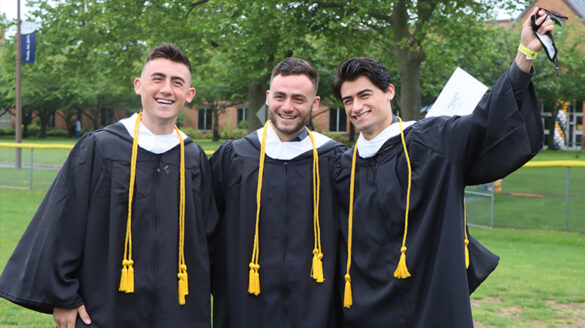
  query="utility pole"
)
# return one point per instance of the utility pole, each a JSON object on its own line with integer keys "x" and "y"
{"x": 18, "y": 124}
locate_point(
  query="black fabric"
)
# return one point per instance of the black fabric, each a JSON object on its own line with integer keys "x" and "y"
{"x": 289, "y": 297}
{"x": 446, "y": 153}
{"x": 72, "y": 251}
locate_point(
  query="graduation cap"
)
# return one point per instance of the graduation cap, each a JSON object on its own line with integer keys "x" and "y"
{"x": 317, "y": 266}
{"x": 127, "y": 276}
{"x": 547, "y": 40}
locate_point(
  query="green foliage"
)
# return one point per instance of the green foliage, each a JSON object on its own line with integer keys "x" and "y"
{"x": 193, "y": 134}
{"x": 243, "y": 124}
{"x": 58, "y": 133}
{"x": 7, "y": 132}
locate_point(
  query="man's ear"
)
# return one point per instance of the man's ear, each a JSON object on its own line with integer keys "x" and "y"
{"x": 316, "y": 103}
{"x": 137, "y": 85}
{"x": 190, "y": 95}
{"x": 390, "y": 92}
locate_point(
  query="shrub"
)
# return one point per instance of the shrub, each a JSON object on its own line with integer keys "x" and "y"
{"x": 58, "y": 133}
{"x": 193, "y": 134}
{"x": 7, "y": 132}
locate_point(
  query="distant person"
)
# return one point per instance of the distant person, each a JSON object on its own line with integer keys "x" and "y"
{"x": 277, "y": 243}
{"x": 120, "y": 239}
{"x": 77, "y": 129}
{"x": 409, "y": 255}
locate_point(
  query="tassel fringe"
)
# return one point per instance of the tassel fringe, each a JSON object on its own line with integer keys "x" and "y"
{"x": 402, "y": 271}
{"x": 466, "y": 254}
{"x": 347, "y": 297}
{"x": 254, "y": 280}
{"x": 183, "y": 284}
{"x": 127, "y": 277}
{"x": 317, "y": 270}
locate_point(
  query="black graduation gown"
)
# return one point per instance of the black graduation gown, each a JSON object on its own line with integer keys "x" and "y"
{"x": 289, "y": 297}
{"x": 72, "y": 251}
{"x": 447, "y": 153}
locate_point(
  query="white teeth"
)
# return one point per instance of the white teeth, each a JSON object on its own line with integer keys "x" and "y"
{"x": 361, "y": 115}
{"x": 164, "y": 101}
{"x": 287, "y": 117}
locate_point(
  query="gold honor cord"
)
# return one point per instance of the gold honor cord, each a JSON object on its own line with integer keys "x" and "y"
{"x": 317, "y": 266}
{"x": 127, "y": 277}
{"x": 254, "y": 276}
{"x": 182, "y": 274}
{"x": 348, "y": 298}
{"x": 401, "y": 270}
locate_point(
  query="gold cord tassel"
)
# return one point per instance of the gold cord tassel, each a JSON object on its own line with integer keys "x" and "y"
{"x": 347, "y": 295}
{"x": 183, "y": 284}
{"x": 317, "y": 267}
{"x": 127, "y": 275}
{"x": 402, "y": 271}
{"x": 466, "y": 238}
{"x": 254, "y": 279}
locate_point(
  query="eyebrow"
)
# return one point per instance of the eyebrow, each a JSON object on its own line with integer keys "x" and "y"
{"x": 361, "y": 92}
{"x": 282, "y": 93}
{"x": 173, "y": 77}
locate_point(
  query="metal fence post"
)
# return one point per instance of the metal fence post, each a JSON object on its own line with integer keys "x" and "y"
{"x": 567, "y": 196}
{"x": 30, "y": 178}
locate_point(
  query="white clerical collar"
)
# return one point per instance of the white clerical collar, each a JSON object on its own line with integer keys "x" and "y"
{"x": 147, "y": 140}
{"x": 369, "y": 148}
{"x": 277, "y": 149}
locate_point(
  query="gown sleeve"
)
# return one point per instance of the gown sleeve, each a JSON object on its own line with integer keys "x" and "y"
{"x": 42, "y": 272}
{"x": 504, "y": 131}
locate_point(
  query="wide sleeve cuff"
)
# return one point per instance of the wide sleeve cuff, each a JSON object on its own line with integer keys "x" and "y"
{"x": 518, "y": 77}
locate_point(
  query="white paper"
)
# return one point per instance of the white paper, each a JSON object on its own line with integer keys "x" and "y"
{"x": 459, "y": 96}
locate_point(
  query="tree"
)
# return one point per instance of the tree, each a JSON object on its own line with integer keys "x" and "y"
{"x": 217, "y": 88}
{"x": 410, "y": 29}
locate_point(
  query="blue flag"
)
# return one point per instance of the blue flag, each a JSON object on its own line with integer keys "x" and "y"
{"x": 28, "y": 48}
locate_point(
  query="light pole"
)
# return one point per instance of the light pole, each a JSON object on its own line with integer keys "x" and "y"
{"x": 18, "y": 123}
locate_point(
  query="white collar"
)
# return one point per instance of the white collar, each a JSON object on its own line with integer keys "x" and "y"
{"x": 277, "y": 149}
{"x": 147, "y": 140}
{"x": 369, "y": 148}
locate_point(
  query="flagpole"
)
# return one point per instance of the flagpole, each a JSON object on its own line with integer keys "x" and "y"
{"x": 18, "y": 123}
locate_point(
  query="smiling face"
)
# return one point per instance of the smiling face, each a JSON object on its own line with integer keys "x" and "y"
{"x": 290, "y": 100}
{"x": 164, "y": 87}
{"x": 367, "y": 106}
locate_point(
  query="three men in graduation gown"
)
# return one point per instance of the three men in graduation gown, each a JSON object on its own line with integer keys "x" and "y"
{"x": 405, "y": 229}
{"x": 270, "y": 240}
{"x": 69, "y": 260}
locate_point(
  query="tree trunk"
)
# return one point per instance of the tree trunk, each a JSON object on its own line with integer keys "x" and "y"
{"x": 216, "y": 123}
{"x": 256, "y": 98}
{"x": 410, "y": 86}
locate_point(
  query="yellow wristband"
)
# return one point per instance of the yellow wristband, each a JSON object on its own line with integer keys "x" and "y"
{"x": 531, "y": 55}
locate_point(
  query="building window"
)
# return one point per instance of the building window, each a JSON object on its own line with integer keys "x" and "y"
{"x": 337, "y": 120}
{"x": 243, "y": 114}
{"x": 204, "y": 119}
{"x": 107, "y": 116}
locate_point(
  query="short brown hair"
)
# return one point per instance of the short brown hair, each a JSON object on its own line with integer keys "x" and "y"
{"x": 296, "y": 66}
{"x": 171, "y": 52}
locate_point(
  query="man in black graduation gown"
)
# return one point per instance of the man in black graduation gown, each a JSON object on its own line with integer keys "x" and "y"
{"x": 404, "y": 226}
{"x": 90, "y": 258}
{"x": 275, "y": 257}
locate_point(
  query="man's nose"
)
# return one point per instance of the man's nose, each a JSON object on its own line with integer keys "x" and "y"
{"x": 166, "y": 87}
